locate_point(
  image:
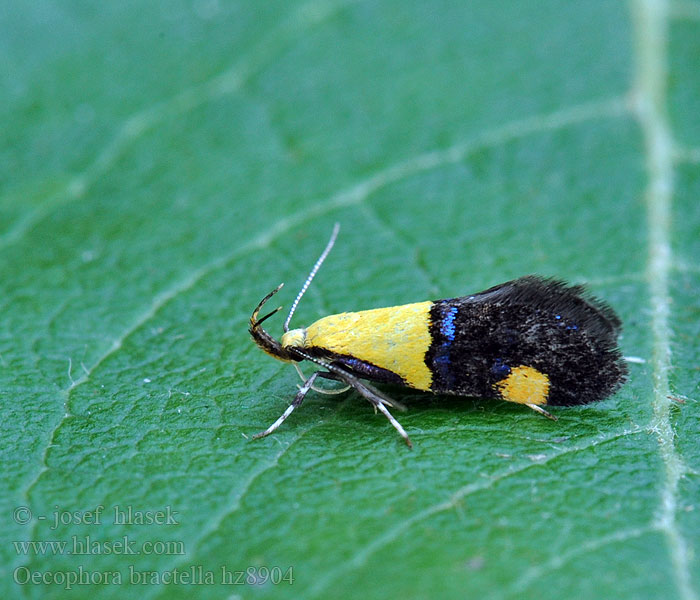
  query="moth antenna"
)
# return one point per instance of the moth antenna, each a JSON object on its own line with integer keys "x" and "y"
{"x": 309, "y": 279}
{"x": 267, "y": 316}
{"x": 254, "y": 317}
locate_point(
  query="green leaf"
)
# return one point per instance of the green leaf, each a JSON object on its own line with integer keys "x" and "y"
{"x": 165, "y": 165}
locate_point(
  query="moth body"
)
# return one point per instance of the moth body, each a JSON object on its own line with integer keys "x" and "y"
{"x": 533, "y": 341}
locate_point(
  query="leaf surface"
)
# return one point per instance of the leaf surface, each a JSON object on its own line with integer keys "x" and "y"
{"x": 164, "y": 165}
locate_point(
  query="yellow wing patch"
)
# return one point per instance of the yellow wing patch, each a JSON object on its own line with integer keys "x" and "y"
{"x": 525, "y": 385}
{"x": 394, "y": 338}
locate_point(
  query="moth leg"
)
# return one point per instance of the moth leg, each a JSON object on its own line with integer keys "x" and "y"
{"x": 542, "y": 411}
{"x": 332, "y": 392}
{"x": 395, "y": 423}
{"x": 298, "y": 399}
{"x": 382, "y": 398}
{"x": 378, "y": 400}
{"x": 353, "y": 381}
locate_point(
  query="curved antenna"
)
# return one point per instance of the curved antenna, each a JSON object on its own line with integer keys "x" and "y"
{"x": 309, "y": 279}
{"x": 254, "y": 321}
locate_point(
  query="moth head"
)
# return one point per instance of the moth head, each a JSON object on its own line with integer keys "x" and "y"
{"x": 291, "y": 339}
{"x": 261, "y": 337}
{"x": 294, "y": 338}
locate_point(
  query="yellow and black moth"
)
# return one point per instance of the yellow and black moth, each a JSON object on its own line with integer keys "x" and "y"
{"x": 533, "y": 341}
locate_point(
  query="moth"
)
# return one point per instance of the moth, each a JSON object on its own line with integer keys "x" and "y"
{"x": 533, "y": 341}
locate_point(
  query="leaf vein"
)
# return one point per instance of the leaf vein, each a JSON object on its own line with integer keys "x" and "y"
{"x": 136, "y": 125}
{"x": 561, "y": 559}
{"x": 359, "y": 558}
{"x": 355, "y": 194}
{"x": 650, "y": 94}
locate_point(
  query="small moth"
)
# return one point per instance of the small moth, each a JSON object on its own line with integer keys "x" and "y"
{"x": 533, "y": 341}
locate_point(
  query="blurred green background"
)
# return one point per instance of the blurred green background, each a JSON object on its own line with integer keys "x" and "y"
{"x": 163, "y": 165}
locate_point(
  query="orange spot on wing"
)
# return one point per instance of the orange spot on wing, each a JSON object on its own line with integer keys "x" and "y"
{"x": 524, "y": 385}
